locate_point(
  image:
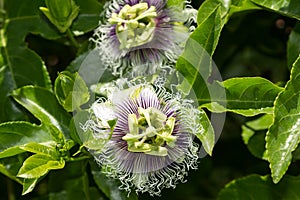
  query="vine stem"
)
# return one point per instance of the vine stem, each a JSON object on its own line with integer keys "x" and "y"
{"x": 10, "y": 190}
{"x": 79, "y": 158}
{"x": 72, "y": 38}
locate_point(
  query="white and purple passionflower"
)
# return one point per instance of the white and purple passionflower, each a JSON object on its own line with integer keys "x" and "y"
{"x": 142, "y": 34}
{"x": 150, "y": 145}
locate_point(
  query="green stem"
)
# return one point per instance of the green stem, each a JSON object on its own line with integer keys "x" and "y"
{"x": 84, "y": 157}
{"x": 80, "y": 150}
{"x": 79, "y": 158}
{"x": 10, "y": 190}
{"x": 72, "y": 38}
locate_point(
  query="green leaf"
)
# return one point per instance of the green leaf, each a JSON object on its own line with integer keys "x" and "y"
{"x": 247, "y": 96}
{"x": 25, "y": 67}
{"x": 4, "y": 171}
{"x": 15, "y": 52}
{"x": 29, "y": 185}
{"x": 9, "y": 111}
{"x": 16, "y": 134}
{"x": 262, "y": 123}
{"x": 255, "y": 142}
{"x": 110, "y": 187}
{"x": 227, "y": 8}
{"x": 250, "y": 93}
{"x": 241, "y": 5}
{"x": 88, "y": 18}
{"x": 210, "y": 26}
{"x": 39, "y": 165}
{"x": 247, "y": 134}
{"x": 217, "y": 108}
{"x": 206, "y": 134}
{"x": 43, "y": 149}
{"x": 208, "y": 7}
{"x": 293, "y": 47}
{"x": 32, "y": 72}
{"x": 254, "y": 133}
{"x": 289, "y": 8}
{"x": 10, "y": 166}
{"x": 44, "y": 106}
{"x": 284, "y": 135}
{"x": 28, "y": 12}
{"x": 261, "y": 187}
{"x": 195, "y": 63}
{"x": 22, "y": 20}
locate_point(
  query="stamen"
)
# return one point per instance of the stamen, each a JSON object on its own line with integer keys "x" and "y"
{"x": 135, "y": 25}
{"x": 150, "y": 132}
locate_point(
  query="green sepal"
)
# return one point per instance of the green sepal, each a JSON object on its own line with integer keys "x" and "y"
{"x": 112, "y": 123}
{"x": 61, "y": 13}
{"x": 60, "y": 9}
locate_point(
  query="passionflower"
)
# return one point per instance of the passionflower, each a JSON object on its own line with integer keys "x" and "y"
{"x": 150, "y": 145}
{"x": 140, "y": 34}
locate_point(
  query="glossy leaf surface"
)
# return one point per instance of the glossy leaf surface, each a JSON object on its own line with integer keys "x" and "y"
{"x": 38, "y": 165}
{"x": 283, "y": 136}
{"x": 261, "y": 187}
{"x": 16, "y": 134}
{"x": 247, "y": 96}
{"x": 44, "y": 106}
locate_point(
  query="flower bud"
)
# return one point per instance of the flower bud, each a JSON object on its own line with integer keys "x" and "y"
{"x": 60, "y": 9}
{"x": 70, "y": 90}
{"x": 61, "y": 13}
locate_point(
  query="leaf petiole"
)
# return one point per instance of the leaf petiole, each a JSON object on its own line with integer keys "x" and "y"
{"x": 72, "y": 39}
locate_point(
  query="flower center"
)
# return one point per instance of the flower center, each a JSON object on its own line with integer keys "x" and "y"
{"x": 135, "y": 25}
{"x": 150, "y": 132}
